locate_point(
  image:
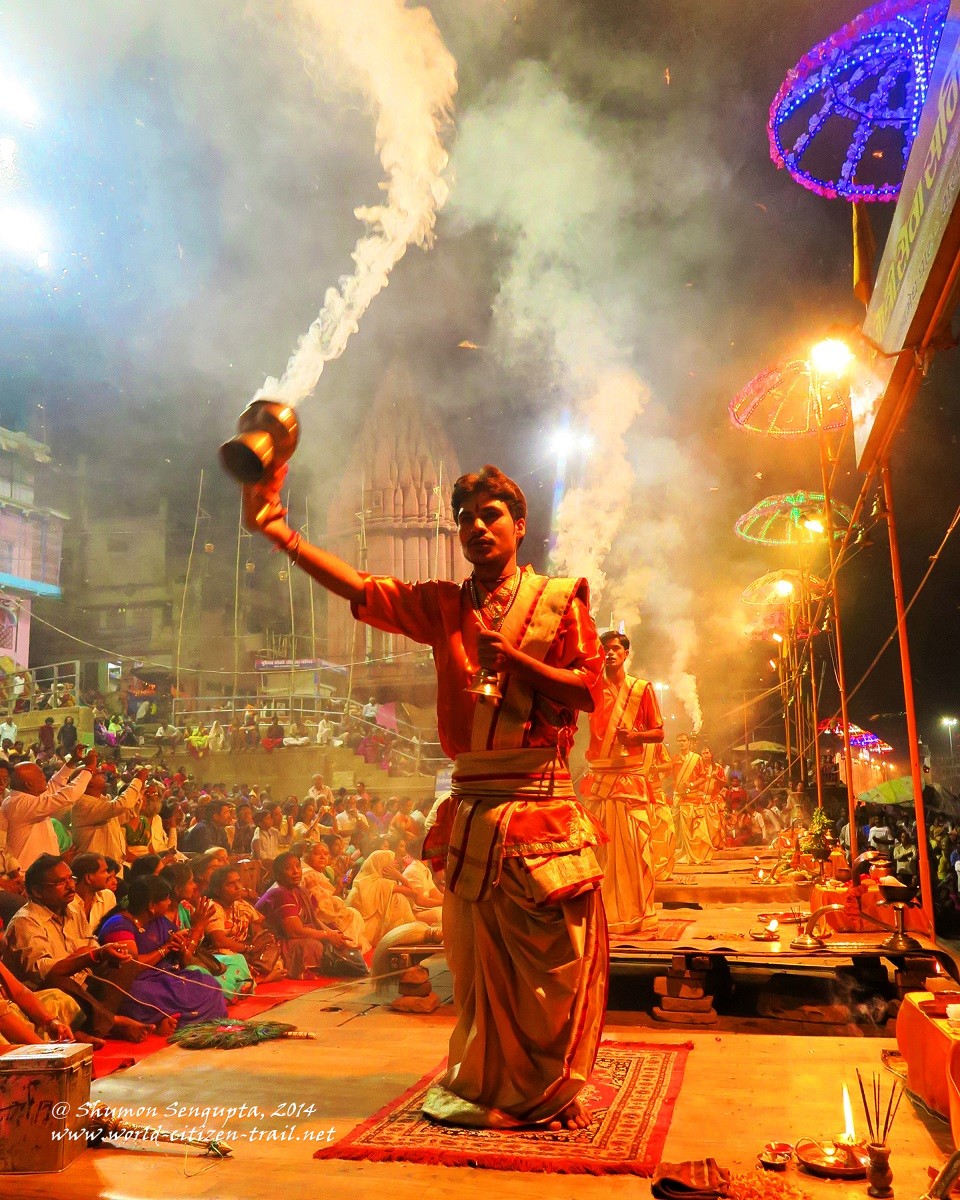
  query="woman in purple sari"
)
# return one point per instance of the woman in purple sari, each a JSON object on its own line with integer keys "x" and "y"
{"x": 175, "y": 990}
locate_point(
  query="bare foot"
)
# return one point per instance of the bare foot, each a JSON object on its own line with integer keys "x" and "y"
{"x": 165, "y": 1027}
{"x": 573, "y": 1117}
{"x": 128, "y": 1030}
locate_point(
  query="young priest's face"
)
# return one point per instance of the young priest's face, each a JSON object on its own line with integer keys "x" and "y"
{"x": 488, "y": 533}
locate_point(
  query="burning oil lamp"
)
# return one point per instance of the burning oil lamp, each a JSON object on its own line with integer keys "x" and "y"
{"x": 767, "y": 933}
{"x": 845, "y": 1157}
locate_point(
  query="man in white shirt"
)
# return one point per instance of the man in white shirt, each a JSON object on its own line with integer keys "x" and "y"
{"x": 881, "y": 837}
{"x": 351, "y": 823}
{"x": 98, "y": 820}
{"x": 320, "y": 794}
{"x": 8, "y": 731}
{"x": 31, "y": 804}
{"x": 167, "y": 737}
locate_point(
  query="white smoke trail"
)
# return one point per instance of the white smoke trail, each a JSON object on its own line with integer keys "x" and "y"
{"x": 590, "y": 514}
{"x": 647, "y": 582}
{"x": 396, "y": 57}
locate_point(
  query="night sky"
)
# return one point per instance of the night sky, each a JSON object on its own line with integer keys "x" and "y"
{"x": 197, "y": 173}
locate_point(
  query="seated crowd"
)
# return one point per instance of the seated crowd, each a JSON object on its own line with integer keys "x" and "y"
{"x": 134, "y": 900}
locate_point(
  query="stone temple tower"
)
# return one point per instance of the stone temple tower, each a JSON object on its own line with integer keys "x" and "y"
{"x": 391, "y": 516}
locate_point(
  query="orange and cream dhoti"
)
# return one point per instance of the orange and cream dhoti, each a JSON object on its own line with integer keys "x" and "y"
{"x": 654, "y": 764}
{"x": 617, "y": 794}
{"x": 525, "y": 939}
{"x": 692, "y": 812}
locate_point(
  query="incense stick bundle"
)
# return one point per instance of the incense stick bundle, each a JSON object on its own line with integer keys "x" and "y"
{"x": 866, "y": 1109}
{"x": 879, "y": 1130}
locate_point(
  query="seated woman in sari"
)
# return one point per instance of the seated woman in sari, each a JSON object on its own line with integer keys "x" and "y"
{"x": 309, "y": 946}
{"x": 384, "y": 898}
{"x": 236, "y": 930}
{"x": 273, "y": 737}
{"x": 194, "y": 914}
{"x": 314, "y": 860}
{"x": 175, "y": 991}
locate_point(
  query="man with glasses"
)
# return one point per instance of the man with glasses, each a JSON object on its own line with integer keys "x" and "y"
{"x": 48, "y": 944}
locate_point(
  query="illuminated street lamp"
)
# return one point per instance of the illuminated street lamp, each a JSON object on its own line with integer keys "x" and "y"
{"x": 831, "y": 358}
{"x": 950, "y": 724}
{"x": 566, "y": 444}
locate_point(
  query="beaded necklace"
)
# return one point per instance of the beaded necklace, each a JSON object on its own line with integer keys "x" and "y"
{"x": 493, "y": 610}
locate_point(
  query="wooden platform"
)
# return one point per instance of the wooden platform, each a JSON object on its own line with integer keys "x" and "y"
{"x": 739, "y": 1092}
{"x": 724, "y": 930}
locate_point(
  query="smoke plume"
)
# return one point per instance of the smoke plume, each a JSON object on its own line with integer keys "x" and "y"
{"x": 590, "y": 514}
{"x": 557, "y": 187}
{"x": 396, "y": 58}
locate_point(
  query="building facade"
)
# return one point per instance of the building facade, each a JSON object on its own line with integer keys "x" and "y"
{"x": 31, "y": 542}
{"x": 391, "y": 516}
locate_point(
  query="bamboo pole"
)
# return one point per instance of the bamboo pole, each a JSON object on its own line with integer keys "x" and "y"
{"x": 817, "y": 384}
{"x": 186, "y": 581}
{"x": 913, "y": 736}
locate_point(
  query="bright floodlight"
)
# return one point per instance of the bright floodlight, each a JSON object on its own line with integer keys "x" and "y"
{"x": 17, "y": 102}
{"x": 831, "y": 358}
{"x": 565, "y": 442}
{"x": 784, "y": 587}
{"x": 950, "y": 722}
{"x": 43, "y": 259}
{"x": 22, "y": 232}
{"x": 814, "y": 524}
{"x": 778, "y": 638}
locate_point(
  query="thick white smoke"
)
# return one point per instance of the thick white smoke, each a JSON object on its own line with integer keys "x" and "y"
{"x": 590, "y": 514}
{"x": 535, "y": 166}
{"x": 395, "y": 56}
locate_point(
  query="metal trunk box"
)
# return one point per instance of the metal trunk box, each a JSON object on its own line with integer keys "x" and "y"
{"x": 44, "y": 1095}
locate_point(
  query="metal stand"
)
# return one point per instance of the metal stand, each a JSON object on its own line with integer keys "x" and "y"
{"x": 900, "y": 941}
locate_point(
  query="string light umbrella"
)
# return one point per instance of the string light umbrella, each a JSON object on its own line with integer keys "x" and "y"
{"x": 792, "y": 519}
{"x": 779, "y": 402}
{"x": 802, "y": 519}
{"x": 777, "y": 586}
{"x": 845, "y": 117}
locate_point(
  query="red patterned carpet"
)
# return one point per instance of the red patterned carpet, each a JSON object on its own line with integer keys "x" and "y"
{"x": 631, "y": 1096}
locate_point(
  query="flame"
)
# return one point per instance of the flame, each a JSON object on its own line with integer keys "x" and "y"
{"x": 849, "y": 1132}
{"x": 773, "y": 926}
